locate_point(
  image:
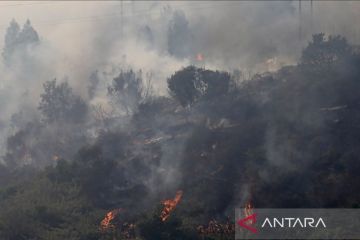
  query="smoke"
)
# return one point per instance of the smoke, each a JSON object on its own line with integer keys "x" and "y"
{"x": 242, "y": 35}
{"x": 79, "y": 38}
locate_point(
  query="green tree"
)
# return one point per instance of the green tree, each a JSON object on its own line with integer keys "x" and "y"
{"x": 129, "y": 89}
{"x": 192, "y": 84}
{"x": 179, "y": 36}
{"x": 325, "y": 51}
{"x": 59, "y": 103}
{"x": 10, "y": 40}
{"x": 17, "y": 40}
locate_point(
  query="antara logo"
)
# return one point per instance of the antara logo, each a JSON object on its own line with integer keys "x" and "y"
{"x": 287, "y": 222}
{"x": 250, "y": 220}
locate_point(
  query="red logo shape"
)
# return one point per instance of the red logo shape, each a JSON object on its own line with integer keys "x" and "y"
{"x": 251, "y": 220}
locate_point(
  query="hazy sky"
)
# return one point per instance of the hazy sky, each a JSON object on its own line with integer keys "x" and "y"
{"x": 80, "y": 36}
{"x": 225, "y": 29}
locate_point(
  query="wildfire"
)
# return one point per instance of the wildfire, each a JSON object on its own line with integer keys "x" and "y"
{"x": 248, "y": 210}
{"x": 169, "y": 205}
{"x": 106, "y": 222}
{"x": 199, "y": 57}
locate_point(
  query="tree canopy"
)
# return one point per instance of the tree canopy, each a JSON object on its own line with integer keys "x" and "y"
{"x": 58, "y": 103}
{"x": 18, "y": 40}
{"x": 192, "y": 84}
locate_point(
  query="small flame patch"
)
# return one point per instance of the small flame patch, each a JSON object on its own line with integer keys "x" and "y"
{"x": 170, "y": 205}
{"x": 199, "y": 57}
{"x": 106, "y": 223}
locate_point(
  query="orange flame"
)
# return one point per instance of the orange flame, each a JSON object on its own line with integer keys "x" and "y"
{"x": 106, "y": 222}
{"x": 248, "y": 210}
{"x": 169, "y": 205}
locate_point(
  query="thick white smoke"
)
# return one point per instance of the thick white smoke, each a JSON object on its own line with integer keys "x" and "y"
{"x": 77, "y": 38}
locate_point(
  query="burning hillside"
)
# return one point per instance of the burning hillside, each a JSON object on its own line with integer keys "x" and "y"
{"x": 131, "y": 115}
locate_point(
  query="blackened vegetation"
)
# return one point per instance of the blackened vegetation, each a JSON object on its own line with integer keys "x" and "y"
{"x": 283, "y": 139}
